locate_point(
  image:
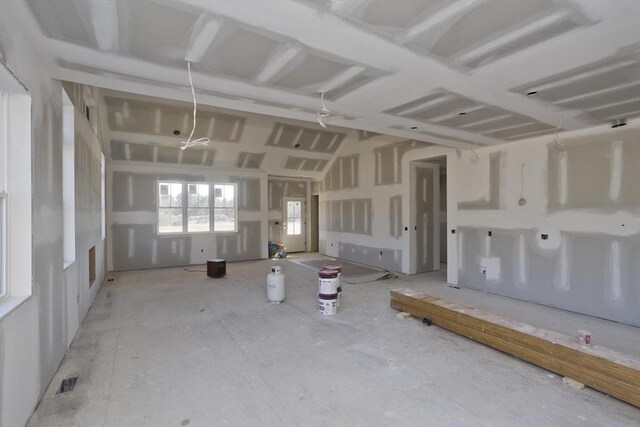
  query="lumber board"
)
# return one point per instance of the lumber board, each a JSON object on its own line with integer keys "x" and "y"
{"x": 594, "y": 379}
{"x": 549, "y": 343}
{"x": 605, "y": 370}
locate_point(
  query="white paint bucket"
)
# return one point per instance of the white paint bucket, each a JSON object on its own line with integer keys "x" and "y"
{"x": 584, "y": 338}
{"x": 328, "y": 304}
{"x": 339, "y": 295}
{"x": 328, "y": 282}
{"x": 332, "y": 264}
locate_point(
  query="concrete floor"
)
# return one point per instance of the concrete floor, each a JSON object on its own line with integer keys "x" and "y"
{"x": 173, "y": 348}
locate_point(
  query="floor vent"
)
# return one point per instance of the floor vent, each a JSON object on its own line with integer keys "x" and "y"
{"x": 68, "y": 384}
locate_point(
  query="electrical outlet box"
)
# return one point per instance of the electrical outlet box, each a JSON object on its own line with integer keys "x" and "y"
{"x": 490, "y": 268}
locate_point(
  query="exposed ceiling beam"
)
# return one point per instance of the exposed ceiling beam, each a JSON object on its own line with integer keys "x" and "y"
{"x": 204, "y": 31}
{"x": 512, "y": 36}
{"x": 104, "y": 19}
{"x": 136, "y": 88}
{"x": 485, "y": 121}
{"x": 345, "y": 7}
{"x": 452, "y": 10}
{"x": 340, "y": 79}
{"x": 425, "y": 105}
{"x": 456, "y": 113}
{"x": 278, "y": 61}
{"x": 579, "y": 76}
{"x": 300, "y": 22}
{"x": 136, "y": 68}
{"x": 595, "y": 93}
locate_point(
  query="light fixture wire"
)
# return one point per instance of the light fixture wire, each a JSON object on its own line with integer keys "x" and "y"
{"x": 323, "y": 113}
{"x": 522, "y": 201}
{"x": 200, "y": 141}
{"x": 556, "y": 137}
{"x": 474, "y": 157}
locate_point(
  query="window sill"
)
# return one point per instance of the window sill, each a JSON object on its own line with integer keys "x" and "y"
{"x": 9, "y": 303}
{"x": 194, "y": 233}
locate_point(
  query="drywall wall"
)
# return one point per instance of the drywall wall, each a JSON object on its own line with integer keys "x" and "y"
{"x": 134, "y": 242}
{"x": 89, "y": 215}
{"x": 35, "y": 336}
{"x": 364, "y": 203}
{"x": 574, "y": 243}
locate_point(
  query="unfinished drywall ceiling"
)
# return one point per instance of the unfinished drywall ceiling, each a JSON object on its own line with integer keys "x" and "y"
{"x": 150, "y": 130}
{"x": 369, "y": 56}
{"x": 452, "y": 110}
{"x": 603, "y": 91}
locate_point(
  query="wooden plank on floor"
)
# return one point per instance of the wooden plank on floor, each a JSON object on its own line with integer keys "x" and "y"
{"x": 600, "y": 368}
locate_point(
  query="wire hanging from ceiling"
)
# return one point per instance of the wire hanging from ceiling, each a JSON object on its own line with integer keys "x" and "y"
{"x": 474, "y": 157}
{"x": 323, "y": 113}
{"x": 556, "y": 137}
{"x": 522, "y": 201}
{"x": 200, "y": 141}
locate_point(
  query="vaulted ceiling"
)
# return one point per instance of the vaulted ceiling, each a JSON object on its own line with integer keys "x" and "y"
{"x": 148, "y": 129}
{"x": 453, "y": 72}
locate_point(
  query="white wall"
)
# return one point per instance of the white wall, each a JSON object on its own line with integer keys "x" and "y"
{"x": 382, "y": 178}
{"x": 589, "y": 208}
{"x": 147, "y": 249}
{"x": 583, "y": 195}
{"x": 35, "y": 336}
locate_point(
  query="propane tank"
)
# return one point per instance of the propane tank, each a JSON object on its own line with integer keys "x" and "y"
{"x": 275, "y": 285}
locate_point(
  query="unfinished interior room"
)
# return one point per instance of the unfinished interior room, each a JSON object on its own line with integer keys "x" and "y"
{"x": 319, "y": 213}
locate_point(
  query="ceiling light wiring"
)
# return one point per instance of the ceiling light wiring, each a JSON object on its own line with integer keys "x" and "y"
{"x": 522, "y": 201}
{"x": 323, "y": 113}
{"x": 556, "y": 137}
{"x": 200, "y": 141}
{"x": 474, "y": 157}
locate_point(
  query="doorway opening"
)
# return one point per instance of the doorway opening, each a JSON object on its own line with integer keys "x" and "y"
{"x": 314, "y": 218}
{"x": 428, "y": 239}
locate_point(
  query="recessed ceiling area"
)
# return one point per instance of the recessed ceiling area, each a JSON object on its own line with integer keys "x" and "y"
{"x": 475, "y": 58}
{"x": 603, "y": 91}
{"x": 452, "y": 110}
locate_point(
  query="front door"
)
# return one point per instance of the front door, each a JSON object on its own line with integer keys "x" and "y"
{"x": 294, "y": 224}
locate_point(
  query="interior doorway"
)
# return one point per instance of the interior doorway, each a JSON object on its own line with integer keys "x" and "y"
{"x": 294, "y": 224}
{"x": 428, "y": 202}
{"x": 314, "y": 217}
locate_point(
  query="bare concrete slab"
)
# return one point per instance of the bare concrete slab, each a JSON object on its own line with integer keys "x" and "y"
{"x": 170, "y": 347}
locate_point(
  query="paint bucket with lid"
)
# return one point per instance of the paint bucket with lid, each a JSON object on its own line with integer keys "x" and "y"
{"x": 328, "y": 304}
{"x": 332, "y": 264}
{"x": 335, "y": 265}
{"x": 328, "y": 281}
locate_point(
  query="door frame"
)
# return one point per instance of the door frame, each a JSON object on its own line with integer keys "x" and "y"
{"x": 303, "y": 215}
{"x": 413, "y": 165}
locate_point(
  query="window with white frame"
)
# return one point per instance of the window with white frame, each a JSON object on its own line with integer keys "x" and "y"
{"x": 170, "y": 211}
{"x": 68, "y": 181}
{"x": 196, "y": 207}
{"x": 103, "y": 197}
{"x": 15, "y": 193}
{"x": 224, "y": 207}
{"x": 3, "y": 193}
